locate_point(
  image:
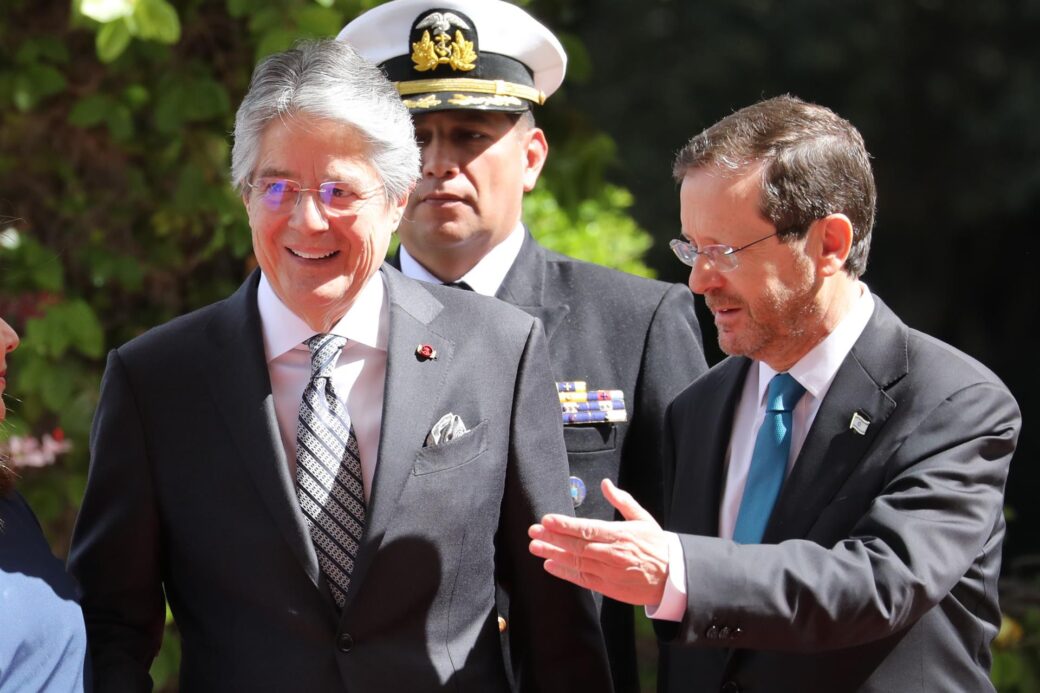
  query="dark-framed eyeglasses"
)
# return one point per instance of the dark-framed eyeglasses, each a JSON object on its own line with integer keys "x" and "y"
{"x": 282, "y": 195}
{"x": 721, "y": 257}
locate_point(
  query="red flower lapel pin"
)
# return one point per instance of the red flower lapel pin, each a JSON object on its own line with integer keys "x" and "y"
{"x": 425, "y": 352}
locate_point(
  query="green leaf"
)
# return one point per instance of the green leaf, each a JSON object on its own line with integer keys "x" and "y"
{"x": 135, "y": 96}
{"x": 239, "y": 8}
{"x": 317, "y": 21}
{"x": 46, "y": 272}
{"x": 112, "y": 39}
{"x": 59, "y": 387}
{"x": 84, "y": 328}
{"x": 35, "y": 83}
{"x": 90, "y": 110}
{"x": 47, "y": 335}
{"x": 39, "y": 49}
{"x": 120, "y": 123}
{"x": 186, "y": 100}
{"x": 266, "y": 19}
{"x": 275, "y": 41}
{"x": 157, "y": 20}
{"x": 72, "y": 323}
{"x": 166, "y": 663}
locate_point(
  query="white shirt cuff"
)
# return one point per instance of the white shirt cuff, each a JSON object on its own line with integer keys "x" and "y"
{"x": 673, "y": 601}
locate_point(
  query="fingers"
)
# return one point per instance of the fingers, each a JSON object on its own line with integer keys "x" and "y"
{"x": 586, "y": 530}
{"x": 624, "y": 502}
{"x": 626, "y": 560}
{"x": 581, "y": 555}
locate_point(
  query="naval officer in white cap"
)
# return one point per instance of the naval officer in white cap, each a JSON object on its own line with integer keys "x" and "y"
{"x": 470, "y": 71}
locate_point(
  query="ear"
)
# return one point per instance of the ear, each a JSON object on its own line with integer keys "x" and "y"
{"x": 834, "y": 234}
{"x": 396, "y": 208}
{"x": 536, "y": 150}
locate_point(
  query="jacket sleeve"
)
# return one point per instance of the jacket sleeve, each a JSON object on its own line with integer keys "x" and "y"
{"x": 554, "y": 635}
{"x": 115, "y": 545}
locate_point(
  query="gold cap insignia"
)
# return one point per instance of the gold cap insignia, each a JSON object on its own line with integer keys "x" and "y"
{"x": 430, "y": 52}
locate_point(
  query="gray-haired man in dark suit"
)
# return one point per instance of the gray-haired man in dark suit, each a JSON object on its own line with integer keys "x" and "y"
{"x": 326, "y": 474}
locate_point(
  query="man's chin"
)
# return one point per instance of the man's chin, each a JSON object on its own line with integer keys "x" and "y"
{"x": 440, "y": 233}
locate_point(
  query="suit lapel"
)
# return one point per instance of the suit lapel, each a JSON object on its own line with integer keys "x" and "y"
{"x": 409, "y": 404}
{"x": 241, "y": 386}
{"x": 524, "y": 287}
{"x": 833, "y": 449}
{"x": 701, "y": 450}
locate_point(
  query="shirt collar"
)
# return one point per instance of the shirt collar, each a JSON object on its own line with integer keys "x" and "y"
{"x": 486, "y": 276}
{"x": 365, "y": 322}
{"x": 817, "y": 368}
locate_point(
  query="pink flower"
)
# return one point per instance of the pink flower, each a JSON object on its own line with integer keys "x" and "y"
{"x": 27, "y": 451}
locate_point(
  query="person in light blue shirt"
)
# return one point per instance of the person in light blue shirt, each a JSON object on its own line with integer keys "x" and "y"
{"x": 43, "y": 641}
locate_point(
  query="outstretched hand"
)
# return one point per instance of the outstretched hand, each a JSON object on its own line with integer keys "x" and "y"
{"x": 624, "y": 560}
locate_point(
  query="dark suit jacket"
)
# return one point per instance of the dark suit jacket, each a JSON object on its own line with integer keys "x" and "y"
{"x": 618, "y": 332}
{"x": 190, "y": 495}
{"x": 880, "y": 561}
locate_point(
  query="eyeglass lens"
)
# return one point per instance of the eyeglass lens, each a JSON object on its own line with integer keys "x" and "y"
{"x": 282, "y": 195}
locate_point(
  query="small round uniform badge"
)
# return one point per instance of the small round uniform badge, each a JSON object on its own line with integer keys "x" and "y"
{"x": 577, "y": 490}
{"x": 425, "y": 352}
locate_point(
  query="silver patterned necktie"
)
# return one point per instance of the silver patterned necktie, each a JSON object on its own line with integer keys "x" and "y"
{"x": 328, "y": 469}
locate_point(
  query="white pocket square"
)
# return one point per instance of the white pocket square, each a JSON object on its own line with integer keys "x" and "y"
{"x": 448, "y": 428}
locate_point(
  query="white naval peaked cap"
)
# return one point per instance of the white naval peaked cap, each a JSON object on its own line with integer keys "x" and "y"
{"x": 455, "y": 54}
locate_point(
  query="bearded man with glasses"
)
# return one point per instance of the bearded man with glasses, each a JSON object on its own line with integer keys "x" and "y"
{"x": 326, "y": 474}
{"x": 837, "y": 515}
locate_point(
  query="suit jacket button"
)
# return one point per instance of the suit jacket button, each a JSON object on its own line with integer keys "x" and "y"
{"x": 712, "y": 633}
{"x": 730, "y": 687}
{"x": 737, "y": 632}
{"x": 724, "y": 633}
{"x": 344, "y": 642}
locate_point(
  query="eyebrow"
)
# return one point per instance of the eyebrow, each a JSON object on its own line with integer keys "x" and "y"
{"x": 270, "y": 172}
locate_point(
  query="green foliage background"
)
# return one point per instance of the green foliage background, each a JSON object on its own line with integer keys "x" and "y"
{"x": 116, "y": 213}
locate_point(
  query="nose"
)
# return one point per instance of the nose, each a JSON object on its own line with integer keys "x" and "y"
{"x": 438, "y": 160}
{"x": 703, "y": 276}
{"x": 308, "y": 213}
{"x": 8, "y": 339}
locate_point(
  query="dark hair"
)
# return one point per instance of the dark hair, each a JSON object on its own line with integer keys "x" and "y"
{"x": 814, "y": 163}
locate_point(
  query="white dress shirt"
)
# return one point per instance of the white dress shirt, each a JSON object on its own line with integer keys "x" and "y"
{"x": 358, "y": 377}
{"x": 815, "y": 372}
{"x": 486, "y": 276}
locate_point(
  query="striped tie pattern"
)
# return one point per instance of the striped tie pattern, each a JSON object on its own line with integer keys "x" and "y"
{"x": 328, "y": 470}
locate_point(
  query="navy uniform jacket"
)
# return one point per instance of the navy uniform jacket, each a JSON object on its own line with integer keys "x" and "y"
{"x": 619, "y": 332}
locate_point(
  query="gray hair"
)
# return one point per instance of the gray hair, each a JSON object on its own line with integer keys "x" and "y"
{"x": 327, "y": 79}
{"x": 814, "y": 163}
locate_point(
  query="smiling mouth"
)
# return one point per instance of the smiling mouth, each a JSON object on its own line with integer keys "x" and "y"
{"x": 313, "y": 256}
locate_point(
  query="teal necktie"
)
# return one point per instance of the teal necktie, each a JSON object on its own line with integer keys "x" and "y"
{"x": 769, "y": 460}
